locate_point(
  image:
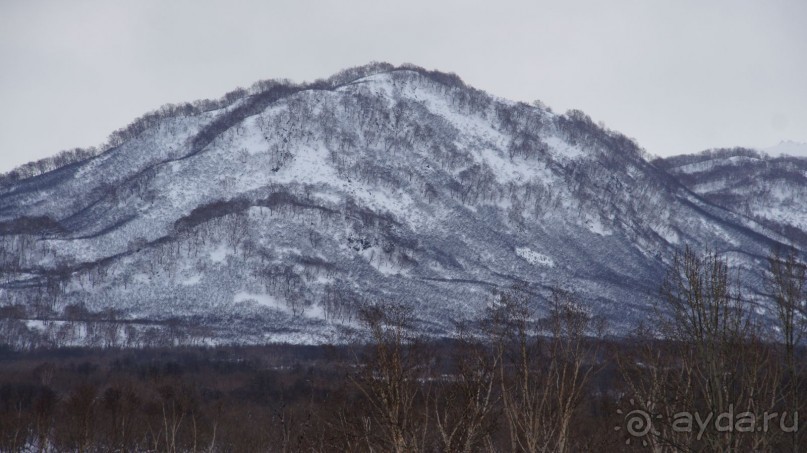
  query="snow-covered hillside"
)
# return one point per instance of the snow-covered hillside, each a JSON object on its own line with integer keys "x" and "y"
{"x": 771, "y": 191}
{"x": 274, "y": 216}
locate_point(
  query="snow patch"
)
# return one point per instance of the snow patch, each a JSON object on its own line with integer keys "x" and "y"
{"x": 35, "y": 324}
{"x": 563, "y": 150}
{"x": 219, "y": 254}
{"x": 535, "y": 258}
{"x": 594, "y": 225}
{"x": 380, "y": 261}
{"x": 264, "y": 300}
{"x": 520, "y": 171}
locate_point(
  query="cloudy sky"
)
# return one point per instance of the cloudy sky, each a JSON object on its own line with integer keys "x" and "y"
{"x": 678, "y": 76}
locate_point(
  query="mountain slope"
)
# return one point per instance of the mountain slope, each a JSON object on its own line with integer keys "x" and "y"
{"x": 771, "y": 191}
{"x": 273, "y": 217}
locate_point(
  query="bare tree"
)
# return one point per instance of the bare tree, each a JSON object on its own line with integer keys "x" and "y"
{"x": 544, "y": 379}
{"x": 723, "y": 357}
{"x": 787, "y": 282}
{"x": 237, "y": 229}
{"x": 390, "y": 380}
{"x": 466, "y": 404}
{"x": 572, "y": 363}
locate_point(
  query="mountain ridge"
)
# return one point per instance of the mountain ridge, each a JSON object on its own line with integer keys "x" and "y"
{"x": 755, "y": 184}
{"x": 274, "y": 217}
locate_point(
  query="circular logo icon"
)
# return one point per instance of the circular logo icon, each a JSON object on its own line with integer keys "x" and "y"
{"x": 638, "y": 422}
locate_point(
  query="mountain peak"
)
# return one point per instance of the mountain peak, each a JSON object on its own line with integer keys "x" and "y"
{"x": 276, "y": 213}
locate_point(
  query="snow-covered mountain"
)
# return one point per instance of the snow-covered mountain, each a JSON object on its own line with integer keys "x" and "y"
{"x": 273, "y": 214}
{"x": 772, "y": 191}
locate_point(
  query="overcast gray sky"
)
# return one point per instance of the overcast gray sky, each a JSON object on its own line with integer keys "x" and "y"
{"x": 678, "y": 76}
